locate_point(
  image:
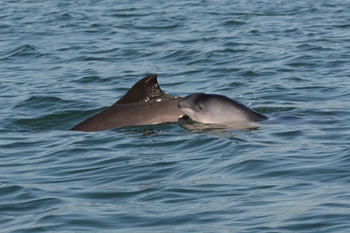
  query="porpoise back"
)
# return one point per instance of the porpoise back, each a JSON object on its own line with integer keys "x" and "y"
{"x": 144, "y": 104}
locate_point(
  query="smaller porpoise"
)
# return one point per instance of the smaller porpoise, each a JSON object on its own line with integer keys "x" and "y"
{"x": 218, "y": 109}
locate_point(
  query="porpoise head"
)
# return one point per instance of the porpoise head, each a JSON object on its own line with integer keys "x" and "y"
{"x": 217, "y": 109}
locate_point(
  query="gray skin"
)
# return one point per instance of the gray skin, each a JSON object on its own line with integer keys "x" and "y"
{"x": 144, "y": 104}
{"x": 217, "y": 109}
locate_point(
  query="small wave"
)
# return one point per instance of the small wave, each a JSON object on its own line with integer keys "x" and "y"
{"x": 26, "y": 50}
{"x": 250, "y": 73}
{"x": 233, "y": 22}
{"x": 38, "y": 102}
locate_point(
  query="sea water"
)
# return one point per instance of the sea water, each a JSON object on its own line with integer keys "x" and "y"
{"x": 63, "y": 61}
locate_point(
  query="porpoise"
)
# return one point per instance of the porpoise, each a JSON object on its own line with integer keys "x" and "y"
{"x": 144, "y": 104}
{"x": 218, "y": 109}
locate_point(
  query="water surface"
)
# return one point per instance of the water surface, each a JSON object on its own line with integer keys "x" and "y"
{"x": 63, "y": 61}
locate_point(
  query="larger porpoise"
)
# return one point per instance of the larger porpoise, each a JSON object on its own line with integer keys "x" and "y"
{"x": 144, "y": 104}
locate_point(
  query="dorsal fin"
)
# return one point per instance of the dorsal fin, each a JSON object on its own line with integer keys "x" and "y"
{"x": 144, "y": 90}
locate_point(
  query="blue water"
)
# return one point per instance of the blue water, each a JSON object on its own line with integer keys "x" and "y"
{"x": 63, "y": 61}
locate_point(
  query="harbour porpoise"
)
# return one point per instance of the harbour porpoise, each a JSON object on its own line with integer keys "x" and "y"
{"x": 218, "y": 109}
{"x": 144, "y": 104}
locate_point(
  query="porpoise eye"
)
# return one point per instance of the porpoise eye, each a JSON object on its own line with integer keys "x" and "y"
{"x": 200, "y": 107}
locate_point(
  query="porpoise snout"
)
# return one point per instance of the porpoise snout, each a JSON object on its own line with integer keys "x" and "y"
{"x": 181, "y": 103}
{"x": 185, "y": 102}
